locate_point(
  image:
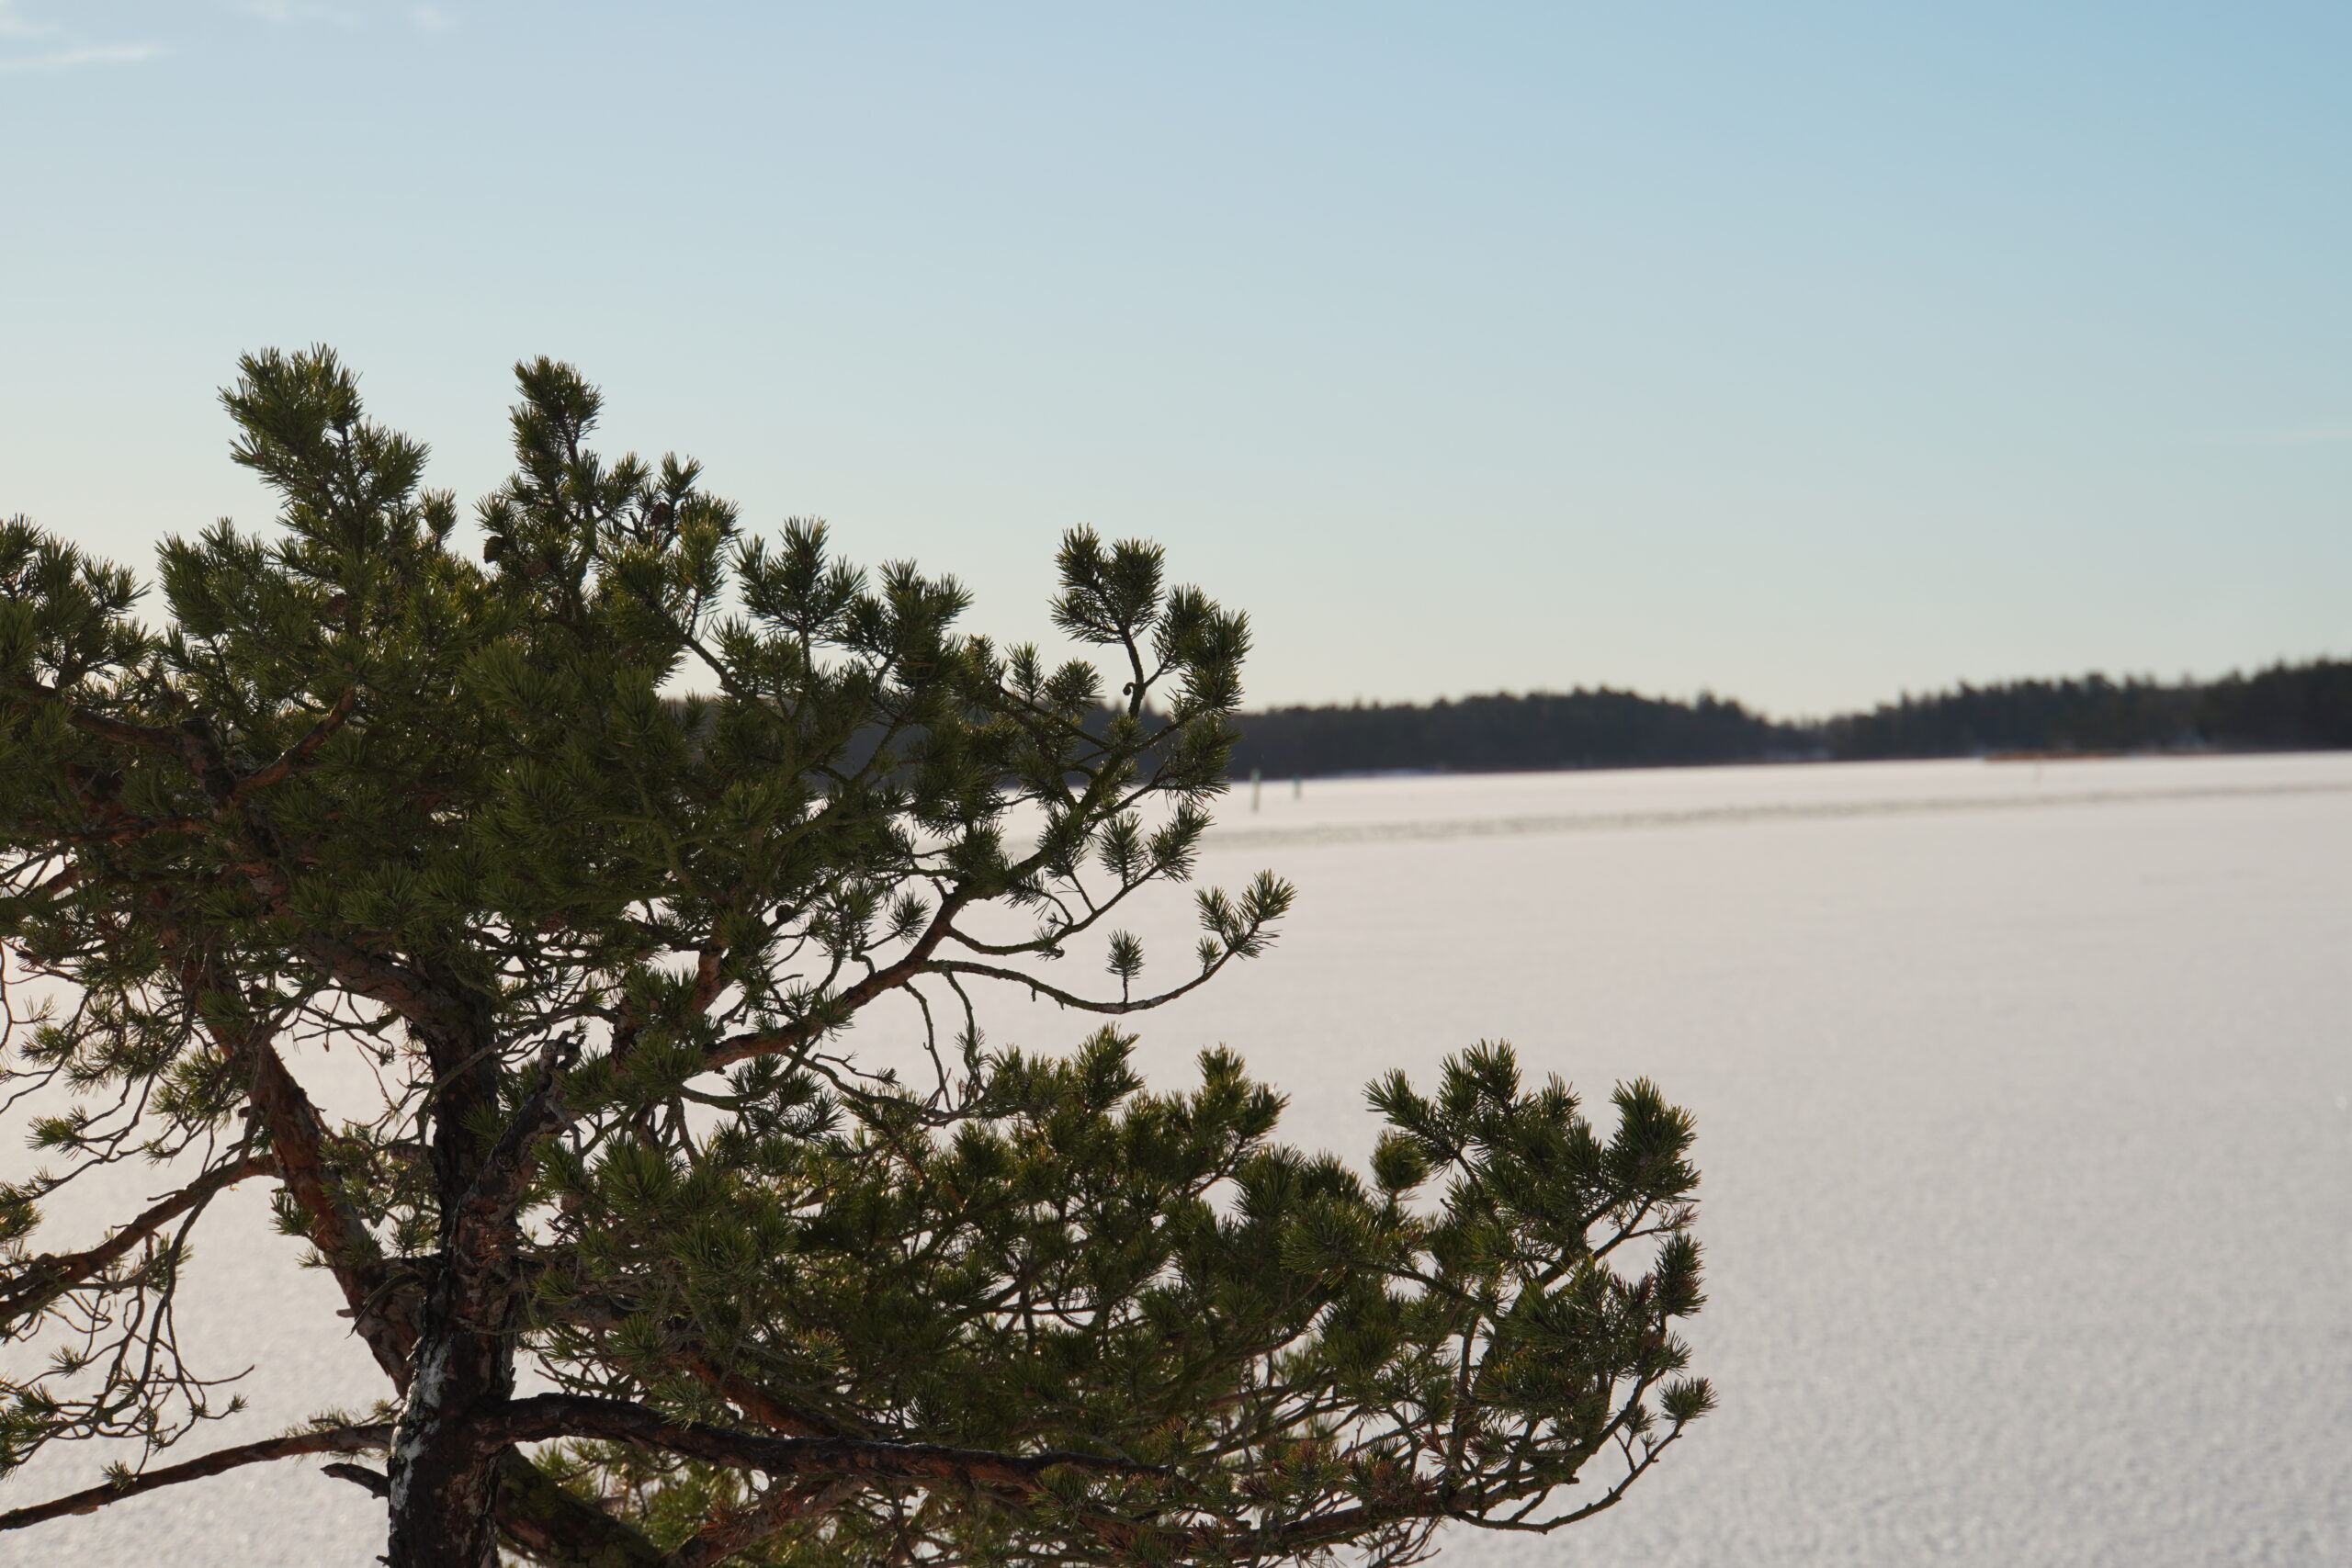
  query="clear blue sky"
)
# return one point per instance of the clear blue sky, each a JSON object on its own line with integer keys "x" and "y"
{"x": 1803, "y": 352}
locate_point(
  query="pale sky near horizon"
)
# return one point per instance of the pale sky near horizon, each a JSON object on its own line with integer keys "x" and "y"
{"x": 1804, "y": 353}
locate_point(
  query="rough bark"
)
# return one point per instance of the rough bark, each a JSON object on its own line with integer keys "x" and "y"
{"x": 444, "y": 1477}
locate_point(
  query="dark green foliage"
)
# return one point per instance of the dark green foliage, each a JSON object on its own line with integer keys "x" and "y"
{"x": 1084, "y": 1267}
{"x": 594, "y": 850}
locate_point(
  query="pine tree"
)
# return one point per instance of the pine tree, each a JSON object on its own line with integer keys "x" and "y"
{"x": 598, "y": 847}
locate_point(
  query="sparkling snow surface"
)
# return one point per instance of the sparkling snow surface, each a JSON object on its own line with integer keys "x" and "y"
{"x": 2024, "y": 1095}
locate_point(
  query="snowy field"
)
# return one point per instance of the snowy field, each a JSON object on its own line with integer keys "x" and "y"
{"x": 2025, "y": 1104}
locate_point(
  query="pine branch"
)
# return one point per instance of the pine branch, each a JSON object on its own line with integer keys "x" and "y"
{"x": 543, "y": 1418}
{"x": 380, "y": 1313}
{"x": 122, "y": 732}
{"x": 37, "y": 1281}
{"x": 338, "y": 1440}
{"x": 286, "y": 761}
{"x": 483, "y": 1230}
{"x": 730, "y": 1533}
{"x": 910, "y": 967}
{"x": 753, "y": 1400}
{"x": 1071, "y": 999}
{"x": 549, "y": 1524}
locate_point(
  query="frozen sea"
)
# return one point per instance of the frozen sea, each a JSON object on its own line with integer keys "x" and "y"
{"x": 2025, "y": 1105}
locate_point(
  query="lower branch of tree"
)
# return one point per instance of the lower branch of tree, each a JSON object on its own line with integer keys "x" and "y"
{"x": 372, "y": 1481}
{"x": 335, "y": 1441}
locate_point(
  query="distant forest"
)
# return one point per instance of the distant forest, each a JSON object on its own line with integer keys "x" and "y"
{"x": 2285, "y": 708}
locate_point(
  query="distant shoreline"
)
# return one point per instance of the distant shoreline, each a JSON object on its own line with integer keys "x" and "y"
{"x": 2287, "y": 707}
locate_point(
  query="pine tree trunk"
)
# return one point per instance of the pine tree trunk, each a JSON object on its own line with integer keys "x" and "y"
{"x": 443, "y": 1474}
{"x": 444, "y": 1478}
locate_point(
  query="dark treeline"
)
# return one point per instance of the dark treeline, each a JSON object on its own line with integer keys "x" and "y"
{"x": 1601, "y": 728}
{"x": 2287, "y": 707}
